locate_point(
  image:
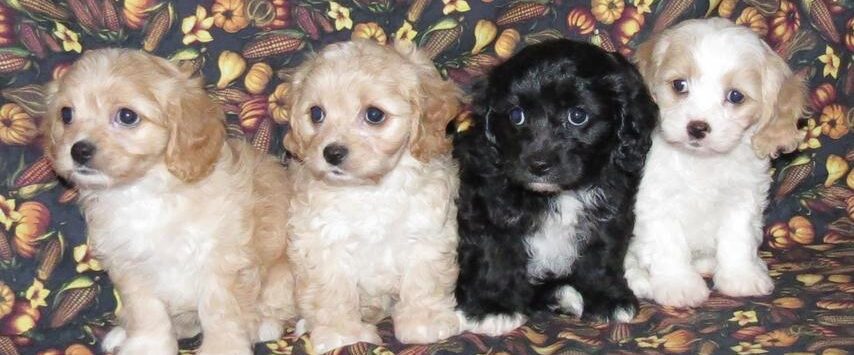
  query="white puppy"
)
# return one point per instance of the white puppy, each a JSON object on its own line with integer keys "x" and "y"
{"x": 727, "y": 102}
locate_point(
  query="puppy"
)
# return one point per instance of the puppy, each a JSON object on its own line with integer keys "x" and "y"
{"x": 549, "y": 173}
{"x": 189, "y": 226}
{"x": 728, "y": 102}
{"x": 373, "y": 222}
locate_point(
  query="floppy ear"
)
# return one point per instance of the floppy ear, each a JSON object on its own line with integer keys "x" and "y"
{"x": 638, "y": 116}
{"x": 783, "y": 99}
{"x": 47, "y": 122}
{"x": 439, "y": 101}
{"x": 197, "y": 130}
{"x": 293, "y": 141}
{"x": 644, "y": 57}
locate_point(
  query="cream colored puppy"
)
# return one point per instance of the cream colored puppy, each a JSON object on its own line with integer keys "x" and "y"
{"x": 373, "y": 216}
{"x": 189, "y": 226}
{"x": 727, "y": 102}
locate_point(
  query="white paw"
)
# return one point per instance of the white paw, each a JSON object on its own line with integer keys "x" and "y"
{"x": 426, "y": 327}
{"x": 746, "y": 282}
{"x": 623, "y": 314}
{"x": 493, "y": 324}
{"x": 687, "y": 289}
{"x": 301, "y": 327}
{"x": 324, "y": 339}
{"x": 113, "y": 339}
{"x": 569, "y": 301}
{"x": 705, "y": 265}
{"x": 637, "y": 278}
{"x": 269, "y": 329}
{"x": 145, "y": 345}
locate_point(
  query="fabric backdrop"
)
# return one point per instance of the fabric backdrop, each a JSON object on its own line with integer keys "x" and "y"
{"x": 54, "y": 298}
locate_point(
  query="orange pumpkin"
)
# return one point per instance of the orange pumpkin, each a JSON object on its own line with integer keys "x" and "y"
{"x": 726, "y": 8}
{"x": 784, "y": 23}
{"x": 777, "y": 338}
{"x": 822, "y": 95}
{"x": 779, "y": 236}
{"x": 370, "y": 30}
{"x": 277, "y": 103}
{"x": 7, "y": 299}
{"x": 849, "y": 34}
{"x": 789, "y": 302}
{"x": 833, "y": 121}
{"x": 801, "y": 230}
{"x": 77, "y": 349}
{"x": 35, "y": 218}
{"x": 16, "y": 125}
{"x": 580, "y": 20}
{"x": 252, "y": 113}
{"x": 22, "y": 319}
{"x": 607, "y": 11}
{"x": 629, "y": 25}
{"x": 506, "y": 43}
{"x": 7, "y": 26}
{"x": 678, "y": 342}
{"x": 136, "y": 12}
{"x": 751, "y": 18}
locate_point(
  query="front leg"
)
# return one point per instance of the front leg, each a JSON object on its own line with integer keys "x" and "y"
{"x": 599, "y": 274}
{"x": 327, "y": 296}
{"x": 227, "y": 315}
{"x": 740, "y": 272}
{"x": 425, "y": 312}
{"x": 146, "y": 327}
{"x": 493, "y": 291}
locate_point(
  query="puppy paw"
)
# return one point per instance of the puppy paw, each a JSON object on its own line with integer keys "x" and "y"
{"x": 569, "y": 301}
{"x": 746, "y": 282}
{"x": 270, "y": 329}
{"x": 639, "y": 281}
{"x": 426, "y": 327}
{"x": 114, "y": 339}
{"x": 324, "y": 339}
{"x": 493, "y": 324}
{"x": 619, "y": 309}
{"x": 144, "y": 345}
{"x": 686, "y": 289}
{"x": 705, "y": 265}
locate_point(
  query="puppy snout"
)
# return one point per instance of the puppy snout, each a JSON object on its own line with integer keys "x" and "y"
{"x": 698, "y": 129}
{"x": 82, "y": 152}
{"x": 539, "y": 167}
{"x": 335, "y": 153}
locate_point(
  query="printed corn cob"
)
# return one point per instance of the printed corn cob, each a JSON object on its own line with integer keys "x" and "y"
{"x": 7, "y": 346}
{"x": 30, "y": 39}
{"x": 822, "y": 19}
{"x": 306, "y": 22}
{"x": 672, "y": 11}
{"x": 6, "y": 253}
{"x": 7, "y": 21}
{"x": 416, "y": 8}
{"x": 13, "y": 60}
{"x": 40, "y": 171}
{"x": 229, "y": 95}
{"x": 440, "y": 36}
{"x": 69, "y": 195}
{"x": 322, "y": 21}
{"x": 47, "y": 8}
{"x": 83, "y": 14}
{"x": 520, "y": 12}
{"x": 157, "y": 27}
{"x": 603, "y": 40}
{"x": 793, "y": 175}
{"x": 112, "y": 21}
{"x": 263, "y": 136}
{"x": 49, "y": 257}
{"x": 274, "y": 43}
{"x": 73, "y": 298}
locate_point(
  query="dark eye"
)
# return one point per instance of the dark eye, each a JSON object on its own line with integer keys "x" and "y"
{"x": 577, "y": 116}
{"x": 374, "y": 115}
{"x": 66, "y": 115}
{"x": 317, "y": 114}
{"x": 126, "y": 117}
{"x": 680, "y": 86}
{"x": 735, "y": 96}
{"x": 517, "y": 116}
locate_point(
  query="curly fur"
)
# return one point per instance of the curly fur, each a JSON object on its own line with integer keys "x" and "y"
{"x": 532, "y": 242}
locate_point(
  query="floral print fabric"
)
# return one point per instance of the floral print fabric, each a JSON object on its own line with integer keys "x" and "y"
{"x": 55, "y": 298}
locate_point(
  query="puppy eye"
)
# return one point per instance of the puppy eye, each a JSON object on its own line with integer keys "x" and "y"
{"x": 66, "y": 115}
{"x": 317, "y": 114}
{"x": 735, "y": 97}
{"x": 374, "y": 115}
{"x": 680, "y": 86}
{"x": 126, "y": 117}
{"x": 517, "y": 116}
{"x": 577, "y": 116}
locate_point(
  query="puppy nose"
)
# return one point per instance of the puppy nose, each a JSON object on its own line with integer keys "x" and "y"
{"x": 539, "y": 167}
{"x": 698, "y": 129}
{"x": 82, "y": 152}
{"x": 334, "y": 153}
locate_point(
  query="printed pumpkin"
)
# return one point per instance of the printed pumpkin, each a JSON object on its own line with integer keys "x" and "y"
{"x": 16, "y": 125}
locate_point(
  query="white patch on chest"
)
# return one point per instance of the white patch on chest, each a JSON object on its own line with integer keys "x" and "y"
{"x": 554, "y": 247}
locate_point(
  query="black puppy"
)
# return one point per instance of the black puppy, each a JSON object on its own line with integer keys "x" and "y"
{"x": 549, "y": 173}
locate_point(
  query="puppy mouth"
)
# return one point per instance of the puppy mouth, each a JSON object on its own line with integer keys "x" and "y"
{"x": 84, "y": 170}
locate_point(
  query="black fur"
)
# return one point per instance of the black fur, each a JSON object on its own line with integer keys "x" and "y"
{"x": 497, "y": 210}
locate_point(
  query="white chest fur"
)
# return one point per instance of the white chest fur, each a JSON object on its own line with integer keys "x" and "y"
{"x": 554, "y": 247}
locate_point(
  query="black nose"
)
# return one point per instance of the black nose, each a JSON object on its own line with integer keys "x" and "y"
{"x": 334, "y": 153}
{"x": 698, "y": 129}
{"x": 539, "y": 167}
{"x": 82, "y": 152}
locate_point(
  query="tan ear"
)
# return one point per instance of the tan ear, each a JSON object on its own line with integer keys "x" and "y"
{"x": 197, "y": 133}
{"x": 50, "y": 118}
{"x": 645, "y": 60}
{"x": 293, "y": 141}
{"x": 439, "y": 102}
{"x": 784, "y": 97}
